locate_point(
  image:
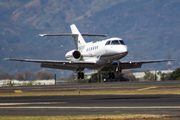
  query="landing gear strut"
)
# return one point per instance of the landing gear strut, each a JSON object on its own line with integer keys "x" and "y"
{"x": 119, "y": 69}
{"x": 112, "y": 75}
{"x": 80, "y": 75}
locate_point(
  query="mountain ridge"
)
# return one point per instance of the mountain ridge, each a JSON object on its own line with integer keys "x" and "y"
{"x": 149, "y": 28}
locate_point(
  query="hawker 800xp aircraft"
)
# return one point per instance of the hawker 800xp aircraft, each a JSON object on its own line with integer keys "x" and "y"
{"x": 102, "y": 55}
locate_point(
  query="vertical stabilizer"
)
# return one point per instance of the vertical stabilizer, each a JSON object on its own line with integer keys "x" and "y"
{"x": 78, "y": 39}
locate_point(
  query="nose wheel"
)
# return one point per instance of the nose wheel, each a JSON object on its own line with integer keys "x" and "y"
{"x": 80, "y": 75}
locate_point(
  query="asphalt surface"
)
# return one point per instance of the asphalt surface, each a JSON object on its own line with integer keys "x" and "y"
{"x": 96, "y": 85}
{"x": 92, "y": 104}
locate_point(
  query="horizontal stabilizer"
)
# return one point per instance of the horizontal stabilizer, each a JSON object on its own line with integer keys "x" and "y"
{"x": 58, "y": 34}
{"x": 69, "y": 34}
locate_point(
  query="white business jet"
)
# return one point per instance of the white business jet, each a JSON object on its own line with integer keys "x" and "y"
{"x": 102, "y": 55}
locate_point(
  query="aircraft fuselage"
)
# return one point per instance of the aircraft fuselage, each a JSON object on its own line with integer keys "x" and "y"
{"x": 101, "y": 52}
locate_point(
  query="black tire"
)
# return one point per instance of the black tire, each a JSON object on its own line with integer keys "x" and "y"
{"x": 112, "y": 75}
{"x": 82, "y": 75}
{"x": 109, "y": 75}
{"x": 120, "y": 69}
{"x": 78, "y": 75}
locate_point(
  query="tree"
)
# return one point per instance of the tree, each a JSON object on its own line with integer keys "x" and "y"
{"x": 42, "y": 75}
{"x": 149, "y": 76}
{"x": 4, "y": 76}
{"x": 29, "y": 75}
{"x": 96, "y": 77}
{"x": 163, "y": 76}
{"x": 124, "y": 76}
{"x": 26, "y": 75}
{"x": 20, "y": 76}
{"x": 175, "y": 75}
{"x": 128, "y": 75}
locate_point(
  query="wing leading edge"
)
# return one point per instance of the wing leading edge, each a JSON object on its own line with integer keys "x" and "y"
{"x": 67, "y": 65}
{"x": 74, "y": 65}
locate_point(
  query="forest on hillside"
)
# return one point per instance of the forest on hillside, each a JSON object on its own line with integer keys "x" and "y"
{"x": 150, "y": 28}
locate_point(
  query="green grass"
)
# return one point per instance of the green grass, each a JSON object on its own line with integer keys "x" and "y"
{"x": 89, "y": 117}
{"x": 150, "y": 90}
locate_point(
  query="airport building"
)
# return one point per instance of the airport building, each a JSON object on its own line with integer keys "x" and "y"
{"x": 140, "y": 75}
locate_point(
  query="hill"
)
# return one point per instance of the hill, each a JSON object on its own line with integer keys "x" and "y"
{"x": 149, "y": 28}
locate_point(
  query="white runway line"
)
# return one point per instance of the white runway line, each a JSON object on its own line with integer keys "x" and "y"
{"x": 31, "y": 103}
{"x": 49, "y": 107}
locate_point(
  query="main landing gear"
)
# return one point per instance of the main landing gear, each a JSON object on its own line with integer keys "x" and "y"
{"x": 111, "y": 75}
{"x": 80, "y": 75}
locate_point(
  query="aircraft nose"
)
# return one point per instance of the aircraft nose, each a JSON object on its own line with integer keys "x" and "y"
{"x": 124, "y": 49}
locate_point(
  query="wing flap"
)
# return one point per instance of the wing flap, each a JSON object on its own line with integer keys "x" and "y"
{"x": 138, "y": 64}
{"x": 130, "y": 64}
{"x": 144, "y": 62}
{"x": 58, "y": 66}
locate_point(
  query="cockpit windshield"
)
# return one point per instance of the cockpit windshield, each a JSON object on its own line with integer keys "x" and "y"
{"x": 122, "y": 42}
{"x": 108, "y": 42}
{"x": 115, "y": 42}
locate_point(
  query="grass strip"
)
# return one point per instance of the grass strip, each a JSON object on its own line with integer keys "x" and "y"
{"x": 98, "y": 92}
{"x": 91, "y": 117}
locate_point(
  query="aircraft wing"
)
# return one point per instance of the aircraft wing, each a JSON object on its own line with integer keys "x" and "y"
{"x": 67, "y": 65}
{"x": 130, "y": 64}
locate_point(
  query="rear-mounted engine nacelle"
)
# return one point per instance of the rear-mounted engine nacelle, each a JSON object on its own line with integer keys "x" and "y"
{"x": 73, "y": 55}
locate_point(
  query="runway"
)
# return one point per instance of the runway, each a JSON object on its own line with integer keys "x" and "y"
{"x": 96, "y": 85}
{"x": 53, "y": 105}
{"x": 90, "y": 105}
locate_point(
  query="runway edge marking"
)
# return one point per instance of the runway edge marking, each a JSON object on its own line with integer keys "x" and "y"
{"x": 18, "y": 91}
{"x": 148, "y": 88}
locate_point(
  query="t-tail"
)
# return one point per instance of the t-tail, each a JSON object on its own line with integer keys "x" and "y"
{"x": 78, "y": 39}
